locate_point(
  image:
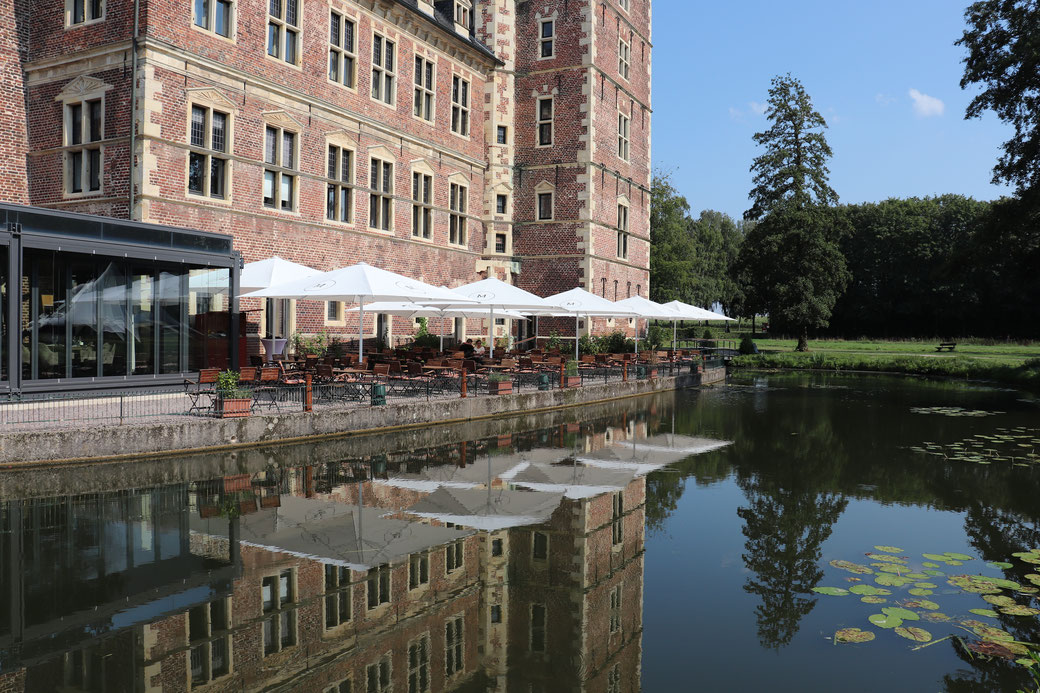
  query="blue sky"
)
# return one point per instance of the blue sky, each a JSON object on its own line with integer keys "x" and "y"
{"x": 885, "y": 74}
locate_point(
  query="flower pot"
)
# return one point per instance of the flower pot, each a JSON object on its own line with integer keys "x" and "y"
{"x": 504, "y": 387}
{"x": 233, "y": 408}
{"x": 572, "y": 381}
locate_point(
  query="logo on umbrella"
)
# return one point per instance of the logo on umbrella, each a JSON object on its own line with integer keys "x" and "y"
{"x": 484, "y": 295}
{"x": 321, "y": 285}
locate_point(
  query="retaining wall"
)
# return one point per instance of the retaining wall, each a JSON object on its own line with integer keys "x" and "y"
{"x": 115, "y": 442}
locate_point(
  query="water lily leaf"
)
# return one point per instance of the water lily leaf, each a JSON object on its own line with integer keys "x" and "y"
{"x": 972, "y": 623}
{"x": 889, "y": 580}
{"x": 885, "y": 621}
{"x": 1016, "y": 648}
{"x": 990, "y": 649}
{"x": 885, "y": 558}
{"x": 853, "y": 635}
{"x": 921, "y": 604}
{"x": 864, "y": 589}
{"x": 892, "y": 568}
{"x": 901, "y": 613}
{"x": 1033, "y": 578}
{"x": 929, "y": 564}
{"x": 935, "y": 557}
{"x": 872, "y": 600}
{"x": 933, "y": 573}
{"x": 926, "y": 585}
{"x": 917, "y": 576}
{"x": 936, "y": 617}
{"x": 1034, "y": 560}
{"x": 915, "y": 634}
{"x": 1000, "y": 565}
{"x": 984, "y": 612}
{"x": 957, "y": 556}
{"x": 999, "y": 600}
{"x": 954, "y": 562}
{"x": 1025, "y": 662}
{"x": 1024, "y": 554}
{"x": 1029, "y": 590}
{"x": 1019, "y": 610}
{"x": 831, "y": 591}
{"x": 853, "y": 579}
{"x": 918, "y": 592}
{"x": 851, "y": 567}
{"x": 993, "y": 634}
{"x": 888, "y": 549}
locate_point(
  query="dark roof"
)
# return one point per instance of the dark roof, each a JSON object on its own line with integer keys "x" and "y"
{"x": 443, "y": 18}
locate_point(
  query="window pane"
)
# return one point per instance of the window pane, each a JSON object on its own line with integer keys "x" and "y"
{"x": 272, "y": 40}
{"x": 288, "y": 150}
{"x": 348, "y": 35}
{"x": 222, "y": 23}
{"x": 219, "y": 140}
{"x": 271, "y": 145}
{"x": 269, "y": 177}
{"x": 170, "y": 322}
{"x": 291, "y": 7}
{"x": 201, "y": 14}
{"x": 334, "y": 30}
{"x": 290, "y": 46}
{"x": 75, "y": 124}
{"x": 94, "y": 166}
{"x": 287, "y": 191}
{"x": 216, "y": 177}
{"x": 196, "y": 172}
{"x": 198, "y": 126}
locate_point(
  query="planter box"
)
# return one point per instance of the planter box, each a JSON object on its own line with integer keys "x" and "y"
{"x": 503, "y": 388}
{"x": 572, "y": 381}
{"x": 233, "y": 408}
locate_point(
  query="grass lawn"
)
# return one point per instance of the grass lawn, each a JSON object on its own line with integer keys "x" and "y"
{"x": 1011, "y": 354}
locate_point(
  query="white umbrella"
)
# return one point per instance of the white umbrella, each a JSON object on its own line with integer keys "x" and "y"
{"x": 579, "y": 302}
{"x": 496, "y": 295}
{"x": 273, "y": 271}
{"x": 687, "y": 312}
{"x": 416, "y": 310}
{"x": 653, "y": 311}
{"x": 357, "y": 284}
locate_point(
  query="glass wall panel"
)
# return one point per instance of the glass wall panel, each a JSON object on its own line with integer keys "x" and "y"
{"x": 209, "y": 318}
{"x": 49, "y": 279}
{"x": 83, "y": 317}
{"x": 169, "y": 322}
{"x": 115, "y": 319}
{"x": 4, "y": 254}
{"x": 142, "y": 321}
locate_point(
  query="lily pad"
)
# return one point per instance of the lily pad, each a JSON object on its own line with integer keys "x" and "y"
{"x": 990, "y": 649}
{"x": 1025, "y": 662}
{"x": 1000, "y": 565}
{"x": 868, "y": 590}
{"x": 1033, "y": 578}
{"x": 999, "y": 600}
{"x": 957, "y": 556}
{"x": 926, "y": 585}
{"x": 935, "y": 557}
{"x": 917, "y": 576}
{"x": 929, "y": 564}
{"x": 921, "y": 604}
{"x": 893, "y": 568}
{"x": 851, "y": 567}
{"x": 901, "y": 613}
{"x": 933, "y": 573}
{"x": 872, "y": 600}
{"x": 853, "y": 635}
{"x": 984, "y": 612}
{"x": 885, "y": 558}
{"x": 1019, "y": 610}
{"x": 993, "y": 634}
{"x": 889, "y": 580}
{"x": 888, "y": 549}
{"x": 936, "y": 617}
{"x": 915, "y": 634}
{"x": 831, "y": 591}
{"x": 885, "y": 621}
{"x": 1029, "y": 590}
{"x": 918, "y": 592}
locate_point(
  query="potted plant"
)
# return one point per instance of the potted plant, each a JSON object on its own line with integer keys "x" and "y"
{"x": 232, "y": 401}
{"x": 500, "y": 384}
{"x": 570, "y": 374}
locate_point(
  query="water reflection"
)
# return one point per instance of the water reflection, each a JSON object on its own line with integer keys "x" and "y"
{"x": 513, "y": 563}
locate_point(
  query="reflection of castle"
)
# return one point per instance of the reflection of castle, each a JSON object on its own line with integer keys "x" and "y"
{"x": 391, "y": 574}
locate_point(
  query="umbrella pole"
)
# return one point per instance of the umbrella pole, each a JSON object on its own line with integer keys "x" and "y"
{"x": 575, "y": 337}
{"x": 491, "y": 334}
{"x": 673, "y": 335}
{"x": 442, "y": 334}
{"x": 361, "y": 333}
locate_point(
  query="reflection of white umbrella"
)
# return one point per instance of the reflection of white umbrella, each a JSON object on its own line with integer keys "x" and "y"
{"x": 415, "y": 310}
{"x": 579, "y": 302}
{"x": 496, "y": 295}
{"x": 271, "y": 272}
{"x": 357, "y": 284}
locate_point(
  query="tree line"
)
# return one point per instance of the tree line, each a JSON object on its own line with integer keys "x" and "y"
{"x": 928, "y": 267}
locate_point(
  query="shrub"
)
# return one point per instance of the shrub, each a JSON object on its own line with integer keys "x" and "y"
{"x": 498, "y": 378}
{"x": 657, "y": 337}
{"x": 313, "y": 345}
{"x": 707, "y": 334}
{"x": 571, "y": 367}
{"x": 554, "y": 340}
{"x": 423, "y": 338}
{"x": 747, "y": 345}
{"x": 227, "y": 386}
{"x": 589, "y": 345}
{"x": 615, "y": 343}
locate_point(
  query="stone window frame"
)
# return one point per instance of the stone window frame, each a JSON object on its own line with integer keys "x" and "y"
{"x": 543, "y": 628}
{"x": 416, "y": 562}
{"x": 278, "y": 608}
{"x": 539, "y": 557}
{"x": 545, "y": 188}
{"x": 616, "y": 599}
{"x": 623, "y": 234}
{"x": 454, "y": 556}
{"x": 463, "y": 16}
{"x": 415, "y": 667}
{"x": 335, "y": 593}
{"x": 81, "y": 92}
{"x": 204, "y": 643}
{"x": 425, "y": 90}
{"x": 282, "y": 123}
{"x": 211, "y": 100}
{"x": 541, "y": 121}
{"x": 343, "y": 686}
{"x": 383, "y": 75}
{"x": 337, "y": 185}
{"x": 422, "y": 195}
{"x": 335, "y": 314}
{"x": 88, "y": 6}
{"x": 623, "y": 4}
{"x": 614, "y": 679}
{"x": 210, "y": 9}
{"x": 461, "y": 89}
{"x": 624, "y": 136}
{"x": 549, "y": 40}
{"x": 342, "y": 53}
{"x": 384, "y": 192}
{"x": 454, "y": 639}
{"x": 624, "y": 58}
{"x": 375, "y": 576}
{"x": 502, "y": 135}
{"x": 284, "y": 28}
{"x": 458, "y": 210}
{"x": 387, "y": 659}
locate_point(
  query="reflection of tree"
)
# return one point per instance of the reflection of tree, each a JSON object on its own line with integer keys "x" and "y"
{"x": 785, "y": 526}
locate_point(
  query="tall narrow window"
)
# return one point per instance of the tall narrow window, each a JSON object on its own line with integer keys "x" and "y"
{"x": 283, "y": 30}
{"x": 624, "y": 4}
{"x": 618, "y": 518}
{"x": 457, "y": 214}
{"x": 277, "y": 597}
{"x": 462, "y": 13}
{"x": 546, "y": 38}
{"x": 214, "y": 15}
{"x": 337, "y": 578}
{"x": 342, "y": 49}
{"x": 537, "y": 628}
{"x": 384, "y": 62}
{"x": 380, "y": 201}
{"x": 622, "y": 136}
{"x": 500, "y": 243}
{"x": 378, "y": 586}
{"x": 459, "y": 106}
{"x": 453, "y": 554}
{"x": 614, "y": 680}
{"x": 545, "y": 121}
{"x": 453, "y": 652}
{"x": 207, "y": 160}
{"x": 539, "y": 546}
{"x": 339, "y": 199}
{"x": 501, "y": 204}
{"x": 622, "y": 234}
{"x": 502, "y": 136}
{"x": 419, "y": 665}
{"x": 378, "y": 676}
{"x": 424, "y": 89}
{"x": 280, "y": 176}
{"x": 84, "y": 130}
{"x": 615, "y": 609}
{"x": 545, "y": 206}
{"x": 209, "y": 643}
{"x": 333, "y": 311}
{"x": 418, "y": 570}
{"x": 422, "y": 212}
{"x": 624, "y": 57}
{"x": 84, "y": 11}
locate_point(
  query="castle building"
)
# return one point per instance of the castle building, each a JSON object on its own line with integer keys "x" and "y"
{"x": 446, "y": 140}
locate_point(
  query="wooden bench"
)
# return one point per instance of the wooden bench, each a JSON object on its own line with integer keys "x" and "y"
{"x": 947, "y": 346}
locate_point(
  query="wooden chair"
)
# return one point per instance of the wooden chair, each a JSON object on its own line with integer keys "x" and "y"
{"x": 267, "y": 386}
{"x": 247, "y": 375}
{"x": 203, "y": 388}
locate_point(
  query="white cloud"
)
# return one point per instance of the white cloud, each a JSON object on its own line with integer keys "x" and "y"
{"x": 926, "y": 106}
{"x": 735, "y": 114}
{"x": 885, "y": 99}
{"x": 758, "y": 108}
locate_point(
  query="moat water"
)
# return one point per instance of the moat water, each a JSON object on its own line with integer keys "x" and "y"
{"x": 727, "y": 539}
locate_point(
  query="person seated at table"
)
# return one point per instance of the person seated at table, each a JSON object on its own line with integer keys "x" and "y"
{"x": 467, "y": 348}
{"x": 479, "y": 351}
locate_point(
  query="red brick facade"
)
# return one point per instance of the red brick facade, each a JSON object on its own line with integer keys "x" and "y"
{"x": 180, "y": 65}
